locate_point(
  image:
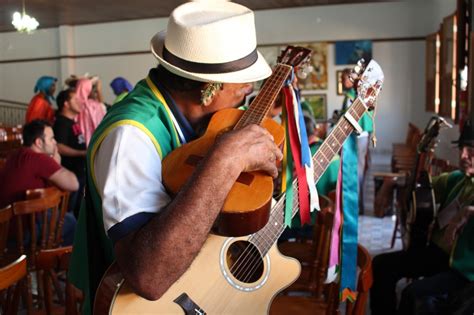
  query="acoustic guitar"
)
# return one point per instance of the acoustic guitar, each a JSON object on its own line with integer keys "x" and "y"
{"x": 247, "y": 206}
{"x": 239, "y": 275}
{"x": 420, "y": 209}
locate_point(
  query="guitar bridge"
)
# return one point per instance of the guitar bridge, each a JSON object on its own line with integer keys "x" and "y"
{"x": 188, "y": 305}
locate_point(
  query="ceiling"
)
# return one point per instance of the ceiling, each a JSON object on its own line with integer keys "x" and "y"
{"x": 50, "y": 13}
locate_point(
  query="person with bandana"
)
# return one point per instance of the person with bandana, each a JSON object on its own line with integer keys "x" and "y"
{"x": 121, "y": 88}
{"x": 447, "y": 263}
{"x": 92, "y": 110}
{"x": 41, "y": 105}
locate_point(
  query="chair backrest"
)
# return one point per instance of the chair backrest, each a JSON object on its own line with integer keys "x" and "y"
{"x": 321, "y": 244}
{"x": 13, "y": 285}
{"x": 49, "y": 263}
{"x": 5, "y": 217}
{"x": 41, "y": 217}
{"x": 412, "y": 134}
{"x": 45, "y": 192}
{"x": 364, "y": 282}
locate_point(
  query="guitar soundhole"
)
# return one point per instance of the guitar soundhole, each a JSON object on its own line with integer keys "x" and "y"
{"x": 244, "y": 262}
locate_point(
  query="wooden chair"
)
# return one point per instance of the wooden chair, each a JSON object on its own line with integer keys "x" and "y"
{"x": 58, "y": 299}
{"x": 28, "y": 213}
{"x": 314, "y": 257}
{"x": 13, "y": 286}
{"x": 302, "y": 305}
{"x": 50, "y": 191}
{"x": 5, "y": 217}
{"x": 364, "y": 282}
{"x": 38, "y": 226}
{"x": 404, "y": 155}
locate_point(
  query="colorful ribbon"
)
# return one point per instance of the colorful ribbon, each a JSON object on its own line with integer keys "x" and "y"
{"x": 350, "y": 201}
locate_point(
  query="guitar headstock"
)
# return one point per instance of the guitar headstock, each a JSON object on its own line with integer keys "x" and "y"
{"x": 370, "y": 80}
{"x": 428, "y": 140}
{"x": 297, "y": 57}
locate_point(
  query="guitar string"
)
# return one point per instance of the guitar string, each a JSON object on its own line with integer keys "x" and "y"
{"x": 281, "y": 76}
{"x": 256, "y": 114}
{"x": 271, "y": 91}
{"x": 258, "y": 265}
{"x": 323, "y": 151}
{"x": 262, "y": 95}
{"x": 279, "y": 210}
{"x": 269, "y": 241}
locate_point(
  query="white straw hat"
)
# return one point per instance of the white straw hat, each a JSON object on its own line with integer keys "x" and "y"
{"x": 211, "y": 41}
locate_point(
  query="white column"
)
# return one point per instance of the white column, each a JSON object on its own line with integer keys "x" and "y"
{"x": 67, "y": 65}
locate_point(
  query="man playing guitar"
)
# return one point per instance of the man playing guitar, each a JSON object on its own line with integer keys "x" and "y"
{"x": 447, "y": 263}
{"x": 206, "y": 58}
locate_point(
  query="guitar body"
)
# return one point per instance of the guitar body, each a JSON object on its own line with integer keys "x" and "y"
{"x": 421, "y": 214}
{"x": 208, "y": 284}
{"x": 247, "y": 207}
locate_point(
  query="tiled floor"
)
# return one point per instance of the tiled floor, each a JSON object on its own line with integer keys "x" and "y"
{"x": 375, "y": 233}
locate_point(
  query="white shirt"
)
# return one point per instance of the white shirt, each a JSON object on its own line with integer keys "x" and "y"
{"x": 127, "y": 169}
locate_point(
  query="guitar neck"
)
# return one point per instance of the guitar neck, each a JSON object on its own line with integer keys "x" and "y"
{"x": 262, "y": 103}
{"x": 269, "y": 234}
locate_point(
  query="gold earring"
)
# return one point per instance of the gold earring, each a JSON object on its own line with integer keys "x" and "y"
{"x": 208, "y": 93}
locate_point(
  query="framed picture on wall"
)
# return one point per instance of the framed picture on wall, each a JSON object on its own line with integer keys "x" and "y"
{"x": 339, "y": 86}
{"x": 317, "y": 102}
{"x": 349, "y": 52}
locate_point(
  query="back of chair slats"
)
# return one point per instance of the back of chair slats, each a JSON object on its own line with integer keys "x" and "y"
{"x": 50, "y": 262}
{"x": 5, "y": 217}
{"x": 364, "y": 282}
{"x": 13, "y": 272}
{"x": 321, "y": 243}
{"x": 44, "y": 210}
{"x": 12, "y": 285}
{"x": 63, "y": 206}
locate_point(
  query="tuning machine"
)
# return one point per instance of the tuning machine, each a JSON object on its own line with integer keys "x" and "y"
{"x": 357, "y": 70}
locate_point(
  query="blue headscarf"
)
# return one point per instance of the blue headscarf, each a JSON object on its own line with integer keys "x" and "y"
{"x": 120, "y": 85}
{"x": 44, "y": 84}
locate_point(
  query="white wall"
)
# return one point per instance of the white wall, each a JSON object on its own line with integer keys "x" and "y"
{"x": 402, "y": 99}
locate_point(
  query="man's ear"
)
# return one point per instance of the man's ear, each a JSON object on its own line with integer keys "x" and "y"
{"x": 208, "y": 93}
{"x": 38, "y": 142}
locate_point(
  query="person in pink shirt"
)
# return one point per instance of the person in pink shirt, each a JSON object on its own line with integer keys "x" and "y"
{"x": 92, "y": 112}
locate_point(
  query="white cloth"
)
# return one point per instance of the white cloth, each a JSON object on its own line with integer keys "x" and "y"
{"x": 127, "y": 169}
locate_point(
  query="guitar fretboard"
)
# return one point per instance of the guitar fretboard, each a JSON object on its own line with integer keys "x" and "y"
{"x": 262, "y": 103}
{"x": 269, "y": 234}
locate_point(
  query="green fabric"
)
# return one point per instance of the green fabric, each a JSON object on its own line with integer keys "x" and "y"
{"x": 326, "y": 183}
{"x": 349, "y": 97}
{"x": 462, "y": 258}
{"x": 446, "y": 188}
{"x": 93, "y": 250}
{"x": 120, "y": 97}
{"x": 366, "y": 122}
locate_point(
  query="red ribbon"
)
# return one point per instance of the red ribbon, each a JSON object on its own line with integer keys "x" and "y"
{"x": 303, "y": 190}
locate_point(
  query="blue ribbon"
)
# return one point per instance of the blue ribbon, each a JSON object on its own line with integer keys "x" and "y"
{"x": 350, "y": 197}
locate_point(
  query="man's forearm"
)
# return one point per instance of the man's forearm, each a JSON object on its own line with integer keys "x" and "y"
{"x": 148, "y": 259}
